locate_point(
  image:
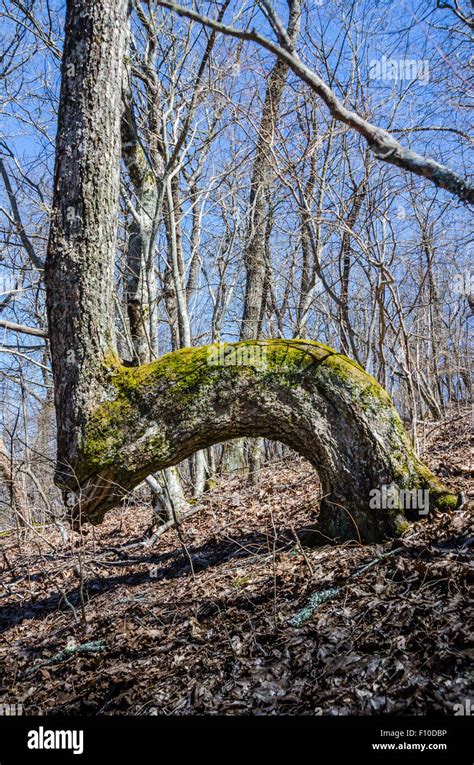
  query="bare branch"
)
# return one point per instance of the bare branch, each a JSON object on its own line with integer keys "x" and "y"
{"x": 384, "y": 145}
{"x": 22, "y": 328}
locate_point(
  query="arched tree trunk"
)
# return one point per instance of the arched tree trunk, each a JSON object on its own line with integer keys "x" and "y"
{"x": 117, "y": 424}
{"x": 255, "y": 254}
{"x": 302, "y": 393}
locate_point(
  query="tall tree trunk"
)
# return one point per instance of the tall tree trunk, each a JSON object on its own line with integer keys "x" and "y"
{"x": 140, "y": 277}
{"x": 17, "y": 495}
{"x": 81, "y": 248}
{"x": 261, "y": 183}
{"x": 348, "y": 343}
{"x": 147, "y": 175}
{"x": 256, "y": 259}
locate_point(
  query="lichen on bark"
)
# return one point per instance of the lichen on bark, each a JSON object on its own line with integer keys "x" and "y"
{"x": 300, "y": 392}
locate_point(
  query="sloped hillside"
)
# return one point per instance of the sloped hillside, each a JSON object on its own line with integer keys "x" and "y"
{"x": 233, "y": 615}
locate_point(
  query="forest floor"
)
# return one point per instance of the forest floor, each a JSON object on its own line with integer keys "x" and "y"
{"x": 234, "y": 616}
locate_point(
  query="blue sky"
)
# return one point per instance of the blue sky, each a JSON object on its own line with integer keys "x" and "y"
{"x": 405, "y": 37}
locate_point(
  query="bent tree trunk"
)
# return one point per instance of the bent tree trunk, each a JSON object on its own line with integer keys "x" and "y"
{"x": 118, "y": 424}
{"x": 302, "y": 393}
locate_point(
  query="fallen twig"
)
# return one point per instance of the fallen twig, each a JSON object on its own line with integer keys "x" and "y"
{"x": 314, "y": 601}
{"x": 93, "y": 646}
{"x": 317, "y": 598}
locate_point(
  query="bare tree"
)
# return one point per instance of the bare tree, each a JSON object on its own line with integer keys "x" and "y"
{"x": 384, "y": 145}
{"x": 118, "y": 424}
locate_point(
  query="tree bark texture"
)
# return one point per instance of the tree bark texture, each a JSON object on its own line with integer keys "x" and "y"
{"x": 81, "y": 249}
{"x": 299, "y": 392}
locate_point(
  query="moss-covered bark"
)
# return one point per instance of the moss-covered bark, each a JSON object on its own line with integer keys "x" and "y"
{"x": 302, "y": 393}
